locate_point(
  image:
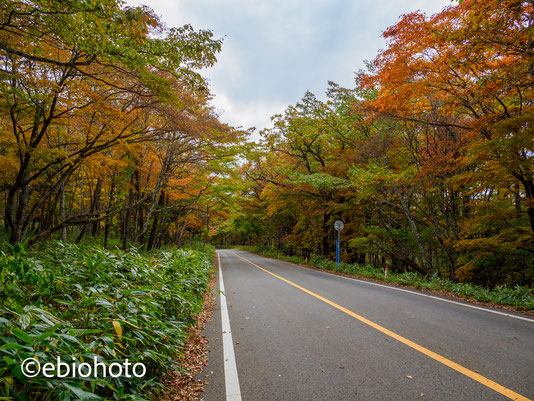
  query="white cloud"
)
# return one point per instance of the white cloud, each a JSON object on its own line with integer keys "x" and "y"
{"x": 246, "y": 115}
{"x": 275, "y": 50}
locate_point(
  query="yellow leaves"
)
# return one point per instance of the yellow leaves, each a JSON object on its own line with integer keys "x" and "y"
{"x": 131, "y": 324}
{"x": 180, "y": 181}
{"x": 194, "y": 221}
{"x": 465, "y": 273}
{"x": 101, "y": 164}
{"x": 8, "y": 169}
{"x": 180, "y": 188}
{"x": 118, "y": 328}
{"x": 178, "y": 195}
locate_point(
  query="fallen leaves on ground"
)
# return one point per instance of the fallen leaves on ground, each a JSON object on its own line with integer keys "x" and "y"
{"x": 181, "y": 386}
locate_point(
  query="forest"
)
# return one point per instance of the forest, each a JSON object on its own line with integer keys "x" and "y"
{"x": 107, "y": 133}
{"x": 112, "y": 157}
{"x": 428, "y": 160}
{"x": 109, "y": 151}
{"x": 106, "y": 127}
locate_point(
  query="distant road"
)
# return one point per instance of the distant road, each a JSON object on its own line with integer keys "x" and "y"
{"x": 289, "y": 333}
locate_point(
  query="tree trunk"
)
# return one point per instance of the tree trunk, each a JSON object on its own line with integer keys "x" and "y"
{"x": 62, "y": 214}
{"x": 415, "y": 231}
{"x": 95, "y": 207}
{"x": 155, "y": 223}
{"x": 110, "y": 205}
{"x": 325, "y": 243}
{"x": 529, "y": 191}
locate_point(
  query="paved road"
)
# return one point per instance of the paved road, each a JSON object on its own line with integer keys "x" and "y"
{"x": 301, "y": 334}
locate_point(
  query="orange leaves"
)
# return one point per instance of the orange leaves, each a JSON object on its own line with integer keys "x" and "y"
{"x": 8, "y": 169}
{"x": 450, "y": 61}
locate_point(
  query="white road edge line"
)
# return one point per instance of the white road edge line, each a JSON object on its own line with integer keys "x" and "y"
{"x": 444, "y": 300}
{"x": 417, "y": 293}
{"x": 233, "y": 391}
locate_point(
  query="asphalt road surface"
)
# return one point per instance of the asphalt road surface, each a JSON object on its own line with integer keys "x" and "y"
{"x": 284, "y": 332}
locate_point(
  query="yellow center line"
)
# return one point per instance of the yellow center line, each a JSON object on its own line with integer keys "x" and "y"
{"x": 453, "y": 365}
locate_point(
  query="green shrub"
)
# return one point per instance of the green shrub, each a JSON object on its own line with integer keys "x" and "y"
{"x": 82, "y": 302}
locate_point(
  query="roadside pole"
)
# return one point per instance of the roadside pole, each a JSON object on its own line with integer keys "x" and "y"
{"x": 338, "y": 225}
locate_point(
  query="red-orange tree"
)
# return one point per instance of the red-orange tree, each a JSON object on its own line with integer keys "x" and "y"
{"x": 469, "y": 72}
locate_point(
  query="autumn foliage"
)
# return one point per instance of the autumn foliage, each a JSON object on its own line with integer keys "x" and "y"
{"x": 428, "y": 160}
{"x": 105, "y": 125}
{"x": 106, "y": 131}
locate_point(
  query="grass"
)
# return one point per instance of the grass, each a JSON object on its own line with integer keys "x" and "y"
{"x": 518, "y": 297}
{"x": 80, "y": 302}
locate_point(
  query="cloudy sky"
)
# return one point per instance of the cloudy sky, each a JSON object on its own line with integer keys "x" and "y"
{"x": 275, "y": 50}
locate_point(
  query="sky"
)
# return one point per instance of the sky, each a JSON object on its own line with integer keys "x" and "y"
{"x": 276, "y": 50}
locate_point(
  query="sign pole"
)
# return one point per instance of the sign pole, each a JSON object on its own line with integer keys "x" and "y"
{"x": 337, "y": 252}
{"x": 338, "y": 225}
{"x": 339, "y": 246}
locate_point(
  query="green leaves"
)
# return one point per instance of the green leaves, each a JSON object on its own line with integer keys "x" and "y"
{"x": 111, "y": 305}
{"x": 22, "y": 336}
{"x": 322, "y": 181}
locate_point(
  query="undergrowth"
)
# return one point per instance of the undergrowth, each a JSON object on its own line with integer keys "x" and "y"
{"x": 81, "y": 303}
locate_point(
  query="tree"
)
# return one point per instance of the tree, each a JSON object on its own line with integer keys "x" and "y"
{"x": 467, "y": 74}
{"x": 79, "y": 79}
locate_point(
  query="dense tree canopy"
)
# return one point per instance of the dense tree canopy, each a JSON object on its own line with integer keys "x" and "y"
{"x": 428, "y": 161}
{"x": 106, "y": 130}
{"x": 104, "y": 122}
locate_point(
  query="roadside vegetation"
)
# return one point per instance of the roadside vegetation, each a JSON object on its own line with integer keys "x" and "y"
{"x": 85, "y": 301}
{"x": 517, "y": 296}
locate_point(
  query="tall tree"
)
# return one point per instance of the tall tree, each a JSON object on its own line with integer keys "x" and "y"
{"x": 77, "y": 79}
